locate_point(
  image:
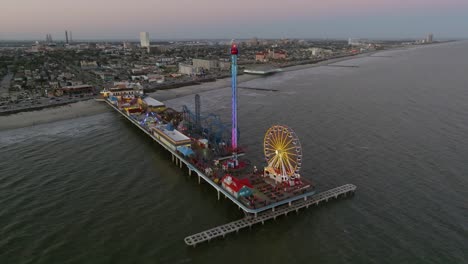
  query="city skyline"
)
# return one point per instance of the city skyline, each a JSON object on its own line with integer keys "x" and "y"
{"x": 211, "y": 19}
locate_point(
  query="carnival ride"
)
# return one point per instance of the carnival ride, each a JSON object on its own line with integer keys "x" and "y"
{"x": 283, "y": 154}
{"x": 208, "y": 126}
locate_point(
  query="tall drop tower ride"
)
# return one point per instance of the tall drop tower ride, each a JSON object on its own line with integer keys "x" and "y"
{"x": 234, "y": 53}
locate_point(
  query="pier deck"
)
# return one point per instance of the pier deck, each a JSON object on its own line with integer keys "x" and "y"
{"x": 250, "y": 220}
{"x": 180, "y": 161}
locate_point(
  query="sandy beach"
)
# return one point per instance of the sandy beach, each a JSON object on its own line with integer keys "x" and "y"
{"x": 74, "y": 110}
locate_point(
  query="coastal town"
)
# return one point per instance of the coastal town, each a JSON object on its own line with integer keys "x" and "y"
{"x": 41, "y": 74}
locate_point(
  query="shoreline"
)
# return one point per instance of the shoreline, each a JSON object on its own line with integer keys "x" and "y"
{"x": 51, "y": 114}
{"x": 173, "y": 93}
{"x": 56, "y": 113}
{"x": 40, "y": 107}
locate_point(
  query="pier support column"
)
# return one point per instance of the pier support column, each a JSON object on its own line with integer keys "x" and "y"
{"x": 289, "y": 204}
{"x": 255, "y": 215}
{"x": 273, "y": 209}
{"x": 180, "y": 163}
{"x": 218, "y": 195}
{"x": 189, "y": 172}
{"x": 199, "y": 179}
{"x": 172, "y": 157}
{"x": 305, "y": 198}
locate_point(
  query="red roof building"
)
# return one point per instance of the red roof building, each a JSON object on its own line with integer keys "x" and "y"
{"x": 234, "y": 185}
{"x": 77, "y": 89}
{"x": 278, "y": 55}
{"x": 261, "y": 56}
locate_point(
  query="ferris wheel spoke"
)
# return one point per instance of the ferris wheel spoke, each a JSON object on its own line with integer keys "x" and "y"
{"x": 279, "y": 162}
{"x": 293, "y": 161}
{"x": 284, "y": 138}
{"x": 271, "y": 138}
{"x": 278, "y": 136}
{"x": 270, "y": 147}
{"x": 274, "y": 142}
{"x": 291, "y": 167}
{"x": 283, "y": 169}
{"x": 287, "y": 149}
{"x": 281, "y": 138}
{"x": 273, "y": 160}
{"x": 289, "y": 142}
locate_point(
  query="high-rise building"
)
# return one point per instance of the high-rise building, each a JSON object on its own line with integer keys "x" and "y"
{"x": 48, "y": 38}
{"x": 144, "y": 39}
{"x": 66, "y": 36}
{"x": 127, "y": 45}
{"x": 429, "y": 38}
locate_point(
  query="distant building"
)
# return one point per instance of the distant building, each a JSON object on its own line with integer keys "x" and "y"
{"x": 429, "y": 38}
{"x": 88, "y": 64}
{"x": 224, "y": 65}
{"x": 358, "y": 42}
{"x": 155, "y": 78}
{"x": 36, "y": 47}
{"x": 164, "y": 61}
{"x": 105, "y": 76}
{"x": 278, "y": 54}
{"x": 128, "y": 45}
{"x": 188, "y": 69}
{"x": 144, "y": 39}
{"x": 49, "y": 38}
{"x": 77, "y": 89}
{"x": 320, "y": 51}
{"x": 253, "y": 42}
{"x": 261, "y": 56}
{"x": 154, "y": 50}
{"x": 264, "y": 56}
{"x": 205, "y": 64}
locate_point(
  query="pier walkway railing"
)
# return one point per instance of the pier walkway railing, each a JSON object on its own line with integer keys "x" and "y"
{"x": 248, "y": 221}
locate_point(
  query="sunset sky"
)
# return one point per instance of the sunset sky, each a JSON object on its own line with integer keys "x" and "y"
{"x": 181, "y": 19}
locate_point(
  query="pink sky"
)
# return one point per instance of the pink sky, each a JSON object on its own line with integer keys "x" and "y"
{"x": 89, "y": 17}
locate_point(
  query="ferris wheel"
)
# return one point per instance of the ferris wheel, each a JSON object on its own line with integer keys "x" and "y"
{"x": 283, "y": 151}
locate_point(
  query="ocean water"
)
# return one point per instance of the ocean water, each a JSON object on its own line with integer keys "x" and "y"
{"x": 97, "y": 190}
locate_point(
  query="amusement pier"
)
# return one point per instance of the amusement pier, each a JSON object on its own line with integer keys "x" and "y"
{"x": 209, "y": 150}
